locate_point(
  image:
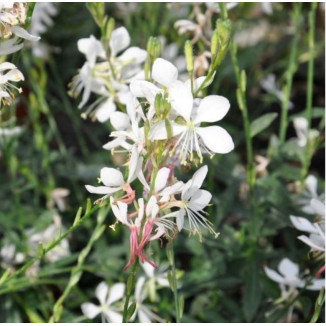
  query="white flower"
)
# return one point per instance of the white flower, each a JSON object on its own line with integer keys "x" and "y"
{"x": 10, "y": 257}
{"x": 8, "y": 73}
{"x": 289, "y": 275}
{"x": 113, "y": 179}
{"x": 145, "y": 315}
{"x": 106, "y": 296}
{"x": 47, "y": 236}
{"x": 193, "y": 201}
{"x": 316, "y": 239}
{"x": 192, "y": 137}
{"x": 269, "y": 85}
{"x": 58, "y": 198}
{"x": 303, "y": 134}
{"x": 10, "y": 46}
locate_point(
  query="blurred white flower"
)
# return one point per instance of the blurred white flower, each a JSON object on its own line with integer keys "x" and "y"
{"x": 289, "y": 275}
{"x": 10, "y": 46}
{"x": 9, "y": 257}
{"x": 45, "y": 237}
{"x": 269, "y": 85}
{"x": 144, "y": 313}
{"x": 303, "y": 134}
{"x": 58, "y": 198}
{"x": 107, "y": 297}
{"x": 42, "y": 20}
{"x": 316, "y": 239}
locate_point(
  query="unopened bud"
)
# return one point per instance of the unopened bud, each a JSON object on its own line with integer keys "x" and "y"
{"x": 109, "y": 28}
{"x": 189, "y": 57}
{"x": 214, "y": 44}
{"x": 243, "y": 81}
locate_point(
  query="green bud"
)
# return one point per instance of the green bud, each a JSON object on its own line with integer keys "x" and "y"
{"x": 239, "y": 99}
{"x": 214, "y": 44}
{"x": 97, "y": 11}
{"x": 168, "y": 128}
{"x": 243, "y": 80}
{"x": 181, "y": 304}
{"x": 157, "y": 104}
{"x": 131, "y": 310}
{"x": 189, "y": 57}
{"x": 109, "y": 28}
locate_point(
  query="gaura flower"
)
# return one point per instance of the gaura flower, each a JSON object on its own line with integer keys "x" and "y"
{"x": 289, "y": 275}
{"x": 107, "y": 297}
{"x": 145, "y": 315}
{"x": 8, "y": 73}
{"x": 192, "y": 203}
{"x": 113, "y": 180}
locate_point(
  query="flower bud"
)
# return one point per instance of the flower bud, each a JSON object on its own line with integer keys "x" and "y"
{"x": 109, "y": 28}
{"x": 189, "y": 57}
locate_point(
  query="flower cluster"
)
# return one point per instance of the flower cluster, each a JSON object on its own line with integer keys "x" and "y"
{"x": 161, "y": 129}
{"x": 13, "y": 17}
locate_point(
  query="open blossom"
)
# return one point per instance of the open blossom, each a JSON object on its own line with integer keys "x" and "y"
{"x": 187, "y": 114}
{"x": 107, "y": 296}
{"x": 289, "y": 275}
{"x": 8, "y": 73}
{"x": 107, "y": 74}
{"x": 12, "y": 16}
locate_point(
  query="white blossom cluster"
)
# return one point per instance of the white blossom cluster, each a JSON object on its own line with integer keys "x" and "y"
{"x": 159, "y": 123}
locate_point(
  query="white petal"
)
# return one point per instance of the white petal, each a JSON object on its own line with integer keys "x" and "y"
{"x": 7, "y": 66}
{"x": 176, "y": 188}
{"x": 114, "y": 143}
{"x": 119, "y": 120}
{"x": 143, "y": 317}
{"x": 181, "y": 99}
{"x": 276, "y": 277}
{"x": 102, "y": 190}
{"x": 133, "y": 165}
{"x": 142, "y": 88}
{"x": 159, "y": 132}
{"x": 161, "y": 179}
{"x": 21, "y": 32}
{"x": 302, "y": 224}
{"x": 111, "y": 177}
{"x": 200, "y": 200}
{"x": 120, "y": 40}
{"x": 104, "y": 110}
{"x": 133, "y": 55}
{"x": 101, "y": 292}
{"x": 113, "y": 317}
{"x": 199, "y": 177}
{"x": 318, "y": 206}
{"x": 90, "y": 310}
{"x": 151, "y": 205}
{"x": 311, "y": 185}
{"x": 91, "y": 47}
{"x": 216, "y": 139}
{"x": 212, "y": 108}
{"x": 139, "y": 288}
{"x": 164, "y": 72}
{"x": 116, "y": 292}
{"x": 310, "y": 243}
{"x": 288, "y": 268}
{"x": 198, "y": 82}
{"x": 316, "y": 284}
{"x": 180, "y": 219}
{"x": 148, "y": 269}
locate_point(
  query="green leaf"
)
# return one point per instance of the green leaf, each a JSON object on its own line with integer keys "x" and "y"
{"x": 252, "y": 292}
{"x": 262, "y": 123}
{"x": 131, "y": 310}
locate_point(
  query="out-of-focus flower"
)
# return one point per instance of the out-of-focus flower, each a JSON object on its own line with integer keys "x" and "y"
{"x": 48, "y": 235}
{"x": 42, "y": 20}
{"x": 262, "y": 163}
{"x": 289, "y": 275}
{"x": 144, "y": 313}
{"x": 10, "y": 46}
{"x": 250, "y": 36}
{"x": 9, "y": 257}
{"x": 109, "y": 311}
{"x": 303, "y": 134}
{"x": 58, "y": 198}
{"x": 8, "y": 73}
{"x": 269, "y": 85}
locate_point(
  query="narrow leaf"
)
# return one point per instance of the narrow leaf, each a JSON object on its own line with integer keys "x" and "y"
{"x": 262, "y": 123}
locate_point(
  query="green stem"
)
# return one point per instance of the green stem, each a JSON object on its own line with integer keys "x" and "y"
{"x": 311, "y": 40}
{"x": 174, "y": 283}
{"x": 290, "y": 72}
{"x": 241, "y": 98}
{"x": 5, "y": 279}
{"x": 77, "y": 271}
{"x": 130, "y": 289}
